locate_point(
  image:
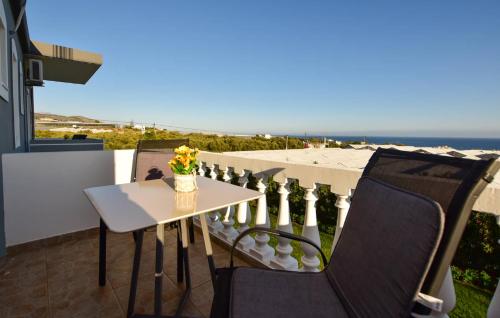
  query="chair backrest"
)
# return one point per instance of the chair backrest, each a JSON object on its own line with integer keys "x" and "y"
{"x": 455, "y": 183}
{"x": 385, "y": 249}
{"x": 152, "y": 157}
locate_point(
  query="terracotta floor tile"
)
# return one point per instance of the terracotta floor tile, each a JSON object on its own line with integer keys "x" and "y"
{"x": 58, "y": 277}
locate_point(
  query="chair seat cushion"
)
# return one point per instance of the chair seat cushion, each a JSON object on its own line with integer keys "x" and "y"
{"x": 264, "y": 293}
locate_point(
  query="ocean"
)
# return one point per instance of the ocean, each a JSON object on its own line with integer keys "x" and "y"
{"x": 457, "y": 143}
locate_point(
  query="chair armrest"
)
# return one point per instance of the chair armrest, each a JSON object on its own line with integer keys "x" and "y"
{"x": 430, "y": 303}
{"x": 277, "y": 233}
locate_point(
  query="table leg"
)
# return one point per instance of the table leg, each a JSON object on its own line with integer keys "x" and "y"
{"x": 102, "y": 252}
{"x": 160, "y": 240}
{"x": 180, "y": 268}
{"x": 185, "y": 244}
{"x": 135, "y": 273}
{"x": 208, "y": 247}
{"x": 191, "y": 230}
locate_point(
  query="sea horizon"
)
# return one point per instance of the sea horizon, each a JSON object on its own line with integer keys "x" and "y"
{"x": 459, "y": 143}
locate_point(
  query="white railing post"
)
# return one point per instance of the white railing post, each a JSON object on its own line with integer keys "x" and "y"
{"x": 201, "y": 172}
{"x": 228, "y": 233}
{"x": 447, "y": 294}
{"x": 262, "y": 251}
{"x": 244, "y": 216}
{"x": 214, "y": 223}
{"x": 494, "y": 308}
{"x": 284, "y": 260}
{"x": 201, "y": 169}
{"x": 310, "y": 230}
{"x": 342, "y": 205}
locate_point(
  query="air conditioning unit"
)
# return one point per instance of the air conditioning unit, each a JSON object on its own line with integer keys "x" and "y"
{"x": 35, "y": 73}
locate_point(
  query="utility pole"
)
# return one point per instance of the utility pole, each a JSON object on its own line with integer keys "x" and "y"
{"x": 286, "y": 144}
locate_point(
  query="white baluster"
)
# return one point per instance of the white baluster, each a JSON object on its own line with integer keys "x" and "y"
{"x": 342, "y": 205}
{"x": 262, "y": 251}
{"x": 201, "y": 172}
{"x": 284, "y": 260}
{"x": 228, "y": 233}
{"x": 213, "y": 172}
{"x": 310, "y": 230}
{"x": 447, "y": 294}
{"x": 494, "y": 308}
{"x": 214, "y": 223}
{"x": 244, "y": 216}
{"x": 201, "y": 169}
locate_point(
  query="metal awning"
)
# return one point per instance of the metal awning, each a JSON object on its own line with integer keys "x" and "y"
{"x": 64, "y": 64}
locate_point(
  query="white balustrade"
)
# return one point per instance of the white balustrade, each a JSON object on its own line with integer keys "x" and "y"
{"x": 201, "y": 169}
{"x": 228, "y": 233}
{"x": 244, "y": 216}
{"x": 310, "y": 230}
{"x": 262, "y": 251}
{"x": 214, "y": 223}
{"x": 342, "y": 205}
{"x": 447, "y": 294}
{"x": 201, "y": 172}
{"x": 283, "y": 259}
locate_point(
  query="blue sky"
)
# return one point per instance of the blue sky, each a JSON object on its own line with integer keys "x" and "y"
{"x": 413, "y": 68}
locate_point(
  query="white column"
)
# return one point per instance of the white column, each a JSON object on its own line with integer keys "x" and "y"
{"x": 310, "y": 230}
{"x": 244, "y": 216}
{"x": 262, "y": 251}
{"x": 447, "y": 294}
{"x": 201, "y": 172}
{"x": 201, "y": 169}
{"x": 228, "y": 233}
{"x": 214, "y": 223}
{"x": 342, "y": 205}
{"x": 284, "y": 260}
{"x": 494, "y": 308}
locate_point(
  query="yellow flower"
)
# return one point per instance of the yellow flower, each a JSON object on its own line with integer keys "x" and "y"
{"x": 183, "y": 150}
{"x": 184, "y": 156}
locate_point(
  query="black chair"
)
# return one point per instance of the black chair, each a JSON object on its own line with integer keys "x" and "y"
{"x": 385, "y": 253}
{"x": 150, "y": 163}
{"x": 455, "y": 183}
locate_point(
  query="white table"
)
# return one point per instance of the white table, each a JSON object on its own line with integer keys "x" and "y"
{"x": 133, "y": 207}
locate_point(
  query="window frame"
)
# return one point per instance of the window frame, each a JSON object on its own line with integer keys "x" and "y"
{"x": 4, "y": 55}
{"x": 21, "y": 86}
{"x": 16, "y": 95}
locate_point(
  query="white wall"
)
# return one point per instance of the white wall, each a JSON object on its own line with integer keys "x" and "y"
{"x": 43, "y": 192}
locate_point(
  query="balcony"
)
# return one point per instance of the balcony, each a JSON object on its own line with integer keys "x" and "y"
{"x": 58, "y": 271}
{"x": 57, "y": 277}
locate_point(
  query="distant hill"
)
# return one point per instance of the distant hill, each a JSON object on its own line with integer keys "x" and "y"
{"x": 62, "y": 118}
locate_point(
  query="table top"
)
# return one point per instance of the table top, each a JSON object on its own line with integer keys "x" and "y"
{"x": 132, "y": 206}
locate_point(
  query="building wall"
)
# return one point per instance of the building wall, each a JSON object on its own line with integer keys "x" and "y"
{"x": 7, "y": 116}
{"x": 44, "y": 190}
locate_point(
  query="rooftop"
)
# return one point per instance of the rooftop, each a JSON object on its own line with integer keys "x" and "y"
{"x": 354, "y": 157}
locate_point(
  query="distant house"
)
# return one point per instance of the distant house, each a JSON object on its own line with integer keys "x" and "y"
{"x": 24, "y": 64}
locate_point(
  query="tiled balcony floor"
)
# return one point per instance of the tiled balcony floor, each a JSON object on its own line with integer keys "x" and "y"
{"x": 58, "y": 277}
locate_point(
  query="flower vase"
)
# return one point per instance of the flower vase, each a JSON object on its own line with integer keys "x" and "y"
{"x": 185, "y": 182}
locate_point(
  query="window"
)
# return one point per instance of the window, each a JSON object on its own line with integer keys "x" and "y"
{"x": 29, "y": 114}
{"x": 21, "y": 84}
{"x": 4, "y": 69}
{"x": 15, "y": 95}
